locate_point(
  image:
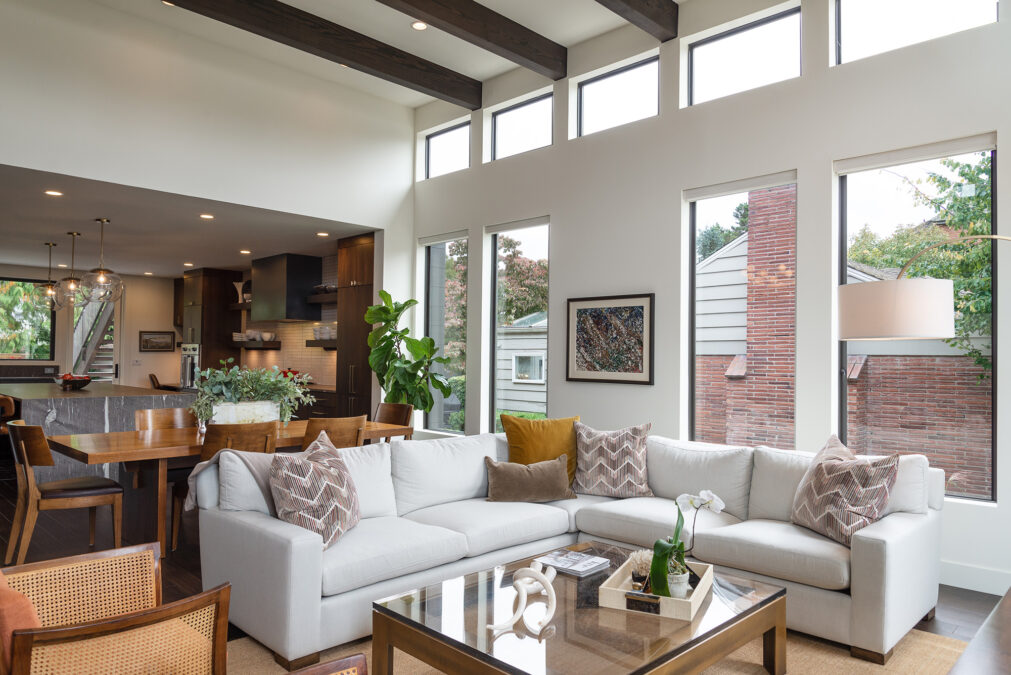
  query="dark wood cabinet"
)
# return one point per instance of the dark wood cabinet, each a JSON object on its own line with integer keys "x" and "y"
{"x": 356, "y": 261}
{"x": 177, "y": 302}
{"x": 354, "y": 377}
{"x": 205, "y": 317}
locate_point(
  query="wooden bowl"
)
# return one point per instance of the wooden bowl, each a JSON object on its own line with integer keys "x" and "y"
{"x": 75, "y": 385}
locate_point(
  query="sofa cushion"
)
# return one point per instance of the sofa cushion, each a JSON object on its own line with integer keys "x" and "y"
{"x": 244, "y": 479}
{"x": 372, "y": 472}
{"x": 912, "y": 486}
{"x": 314, "y": 490}
{"x": 574, "y": 506}
{"x": 774, "y": 482}
{"x": 677, "y": 467}
{"x": 612, "y": 463}
{"x": 540, "y": 440}
{"x": 538, "y": 482}
{"x": 643, "y": 520}
{"x": 387, "y": 547}
{"x": 438, "y": 471}
{"x": 777, "y": 549}
{"x": 489, "y": 526}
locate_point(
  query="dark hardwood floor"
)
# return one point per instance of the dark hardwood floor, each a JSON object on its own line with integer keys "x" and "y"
{"x": 960, "y": 612}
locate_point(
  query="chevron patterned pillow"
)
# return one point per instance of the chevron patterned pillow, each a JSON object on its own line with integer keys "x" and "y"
{"x": 315, "y": 491}
{"x": 612, "y": 463}
{"x": 841, "y": 493}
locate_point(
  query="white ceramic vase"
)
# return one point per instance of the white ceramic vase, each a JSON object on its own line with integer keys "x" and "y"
{"x": 245, "y": 412}
{"x": 678, "y": 584}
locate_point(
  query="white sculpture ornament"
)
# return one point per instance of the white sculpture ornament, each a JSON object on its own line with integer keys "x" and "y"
{"x": 531, "y": 581}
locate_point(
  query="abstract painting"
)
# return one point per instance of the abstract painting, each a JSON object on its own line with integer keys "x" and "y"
{"x": 610, "y": 339}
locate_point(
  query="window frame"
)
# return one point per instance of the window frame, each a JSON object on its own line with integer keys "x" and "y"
{"x": 428, "y": 324}
{"x": 517, "y": 106}
{"x": 734, "y": 31}
{"x": 52, "y": 326}
{"x": 609, "y": 74}
{"x": 843, "y": 385}
{"x": 428, "y": 148}
{"x": 531, "y": 354}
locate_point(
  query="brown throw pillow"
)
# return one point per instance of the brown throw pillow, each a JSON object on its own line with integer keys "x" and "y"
{"x": 612, "y": 463}
{"x": 16, "y": 612}
{"x": 314, "y": 490}
{"x": 538, "y": 482}
{"x": 540, "y": 440}
{"x": 842, "y": 493}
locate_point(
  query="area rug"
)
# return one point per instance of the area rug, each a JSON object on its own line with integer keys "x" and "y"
{"x": 918, "y": 652}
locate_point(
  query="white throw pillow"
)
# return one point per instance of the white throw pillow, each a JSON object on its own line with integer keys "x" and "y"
{"x": 677, "y": 467}
{"x": 774, "y": 482}
{"x": 437, "y": 471}
{"x": 244, "y": 478}
{"x": 911, "y": 488}
{"x": 371, "y": 470}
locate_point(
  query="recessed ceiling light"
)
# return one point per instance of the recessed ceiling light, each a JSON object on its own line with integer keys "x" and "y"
{"x": 54, "y": 193}
{"x": 148, "y": 274}
{"x": 206, "y": 216}
{"x": 343, "y": 65}
{"x": 322, "y": 234}
{"x": 245, "y": 252}
{"x": 419, "y": 25}
{"x": 61, "y": 265}
{"x": 166, "y": 2}
{"x": 187, "y": 264}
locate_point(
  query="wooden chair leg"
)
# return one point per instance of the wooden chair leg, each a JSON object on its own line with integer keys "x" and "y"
{"x": 117, "y": 520}
{"x": 19, "y": 519}
{"x": 177, "y": 516}
{"x": 31, "y": 515}
{"x": 92, "y": 513}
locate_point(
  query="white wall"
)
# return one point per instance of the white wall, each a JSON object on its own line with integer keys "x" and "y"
{"x": 619, "y": 223}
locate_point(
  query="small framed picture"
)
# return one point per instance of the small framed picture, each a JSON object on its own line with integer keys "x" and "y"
{"x": 157, "y": 341}
{"x": 610, "y": 339}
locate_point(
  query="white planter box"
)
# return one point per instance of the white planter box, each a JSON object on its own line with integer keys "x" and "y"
{"x": 246, "y": 412}
{"x": 617, "y": 593}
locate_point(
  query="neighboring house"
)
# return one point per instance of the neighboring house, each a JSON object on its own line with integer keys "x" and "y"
{"x": 521, "y": 364}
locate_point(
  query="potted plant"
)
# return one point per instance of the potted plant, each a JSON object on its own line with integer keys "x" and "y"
{"x": 234, "y": 395}
{"x": 669, "y": 573}
{"x": 403, "y": 364}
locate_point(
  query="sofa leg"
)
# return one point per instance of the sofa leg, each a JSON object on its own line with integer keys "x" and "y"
{"x": 868, "y": 655}
{"x": 929, "y": 616}
{"x": 307, "y": 660}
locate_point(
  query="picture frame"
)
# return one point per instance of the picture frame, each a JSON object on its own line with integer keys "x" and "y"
{"x": 157, "y": 340}
{"x": 610, "y": 339}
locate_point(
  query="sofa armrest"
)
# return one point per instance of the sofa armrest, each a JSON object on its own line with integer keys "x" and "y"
{"x": 275, "y": 569}
{"x": 895, "y": 569}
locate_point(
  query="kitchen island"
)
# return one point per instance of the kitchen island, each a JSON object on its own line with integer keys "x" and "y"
{"x": 97, "y": 408}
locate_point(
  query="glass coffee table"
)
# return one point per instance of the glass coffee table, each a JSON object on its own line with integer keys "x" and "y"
{"x": 446, "y": 626}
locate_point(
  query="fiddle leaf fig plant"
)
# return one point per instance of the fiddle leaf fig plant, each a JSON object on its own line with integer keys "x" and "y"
{"x": 402, "y": 363}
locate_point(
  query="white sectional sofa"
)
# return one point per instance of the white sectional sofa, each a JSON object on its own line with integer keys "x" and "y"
{"x": 425, "y": 518}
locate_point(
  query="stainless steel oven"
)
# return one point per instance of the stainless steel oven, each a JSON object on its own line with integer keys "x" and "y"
{"x": 189, "y": 366}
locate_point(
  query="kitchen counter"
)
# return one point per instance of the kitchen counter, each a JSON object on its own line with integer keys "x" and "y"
{"x": 39, "y": 390}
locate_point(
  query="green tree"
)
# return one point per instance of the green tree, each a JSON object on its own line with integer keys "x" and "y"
{"x": 522, "y": 286}
{"x": 24, "y": 328}
{"x": 715, "y": 237}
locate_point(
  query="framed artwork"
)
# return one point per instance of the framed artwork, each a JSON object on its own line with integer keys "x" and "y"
{"x": 157, "y": 341}
{"x": 610, "y": 339}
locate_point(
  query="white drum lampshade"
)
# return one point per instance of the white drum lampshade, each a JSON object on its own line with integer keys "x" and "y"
{"x": 897, "y": 309}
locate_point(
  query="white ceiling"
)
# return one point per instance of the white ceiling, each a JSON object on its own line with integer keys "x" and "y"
{"x": 567, "y": 22}
{"x": 150, "y": 231}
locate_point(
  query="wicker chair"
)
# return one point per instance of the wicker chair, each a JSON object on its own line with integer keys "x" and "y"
{"x": 349, "y": 665}
{"x": 102, "y": 612}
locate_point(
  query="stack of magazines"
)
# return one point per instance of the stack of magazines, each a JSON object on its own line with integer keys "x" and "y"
{"x": 574, "y": 563}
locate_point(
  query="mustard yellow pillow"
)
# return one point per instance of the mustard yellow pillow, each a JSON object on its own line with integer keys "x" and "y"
{"x": 532, "y": 441}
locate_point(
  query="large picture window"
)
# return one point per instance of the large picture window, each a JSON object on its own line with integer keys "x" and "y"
{"x": 932, "y": 397}
{"x": 748, "y": 57}
{"x": 619, "y": 97}
{"x": 519, "y": 357}
{"x": 447, "y": 151}
{"x": 744, "y": 321}
{"x": 522, "y": 127}
{"x": 868, "y": 27}
{"x": 446, "y": 323}
{"x": 26, "y": 331}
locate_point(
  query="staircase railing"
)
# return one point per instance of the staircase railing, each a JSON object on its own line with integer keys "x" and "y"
{"x": 92, "y": 335}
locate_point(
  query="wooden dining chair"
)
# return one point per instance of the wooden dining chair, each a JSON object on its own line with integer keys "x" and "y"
{"x": 164, "y": 418}
{"x": 258, "y": 437}
{"x": 343, "y": 432}
{"x": 394, "y": 413}
{"x": 31, "y": 449}
{"x": 103, "y": 612}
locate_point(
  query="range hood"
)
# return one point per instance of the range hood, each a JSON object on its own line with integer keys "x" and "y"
{"x": 282, "y": 284}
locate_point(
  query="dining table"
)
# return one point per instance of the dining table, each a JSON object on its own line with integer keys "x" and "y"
{"x": 155, "y": 448}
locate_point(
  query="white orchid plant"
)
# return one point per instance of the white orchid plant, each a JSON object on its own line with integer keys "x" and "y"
{"x": 669, "y": 553}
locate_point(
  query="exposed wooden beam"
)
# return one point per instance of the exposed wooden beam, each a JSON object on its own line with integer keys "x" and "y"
{"x": 659, "y": 18}
{"x": 475, "y": 23}
{"x": 315, "y": 35}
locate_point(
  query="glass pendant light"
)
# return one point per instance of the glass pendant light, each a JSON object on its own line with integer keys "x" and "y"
{"x": 101, "y": 284}
{"x": 46, "y": 294}
{"x": 69, "y": 289}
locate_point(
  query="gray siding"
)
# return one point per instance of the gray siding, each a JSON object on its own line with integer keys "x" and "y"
{"x": 522, "y": 396}
{"x": 721, "y": 299}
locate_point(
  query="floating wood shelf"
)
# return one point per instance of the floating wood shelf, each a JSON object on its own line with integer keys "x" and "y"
{"x": 240, "y": 305}
{"x": 328, "y": 345}
{"x": 322, "y": 299}
{"x": 257, "y": 344}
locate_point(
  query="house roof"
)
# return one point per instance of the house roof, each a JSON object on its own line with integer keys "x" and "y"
{"x": 535, "y": 320}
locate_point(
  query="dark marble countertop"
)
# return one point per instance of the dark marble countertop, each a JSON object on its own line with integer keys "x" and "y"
{"x": 43, "y": 391}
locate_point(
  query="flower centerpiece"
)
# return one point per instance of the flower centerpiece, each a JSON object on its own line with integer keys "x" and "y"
{"x": 668, "y": 573}
{"x": 234, "y": 395}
